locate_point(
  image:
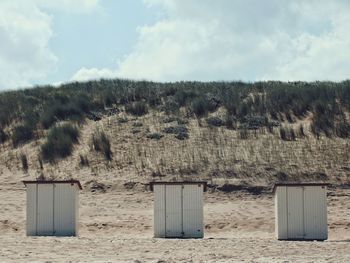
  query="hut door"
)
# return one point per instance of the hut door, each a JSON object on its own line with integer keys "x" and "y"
{"x": 193, "y": 210}
{"x": 44, "y": 225}
{"x": 64, "y": 210}
{"x": 173, "y": 211}
{"x": 295, "y": 203}
{"x": 315, "y": 212}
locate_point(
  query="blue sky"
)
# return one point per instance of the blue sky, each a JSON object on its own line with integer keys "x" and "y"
{"x": 96, "y": 39}
{"x": 50, "y": 42}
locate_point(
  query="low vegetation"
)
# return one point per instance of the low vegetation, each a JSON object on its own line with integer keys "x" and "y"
{"x": 24, "y": 161}
{"x": 122, "y": 120}
{"x": 137, "y": 124}
{"x": 287, "y": 133}
{"x": 181, "y": 135}
{"x": 155, "y": 136}
{"x": 84, "y": 161}
{"x": 266, "y": 129}
{"x": 60, "y": 142}
{"x": 215, "y": 121}
{"x": 250, "y": 108}
{"x": 101, "y": 143}
{"x": 3, "y": 136}
{"x": 138, "y": 108}
{"x": 21, "y": 134}
{"x": 180, "y": 132}
{"x": 243, "y": 134}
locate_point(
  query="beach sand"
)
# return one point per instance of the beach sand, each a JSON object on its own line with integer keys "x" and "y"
{"x": 117, "y": 226}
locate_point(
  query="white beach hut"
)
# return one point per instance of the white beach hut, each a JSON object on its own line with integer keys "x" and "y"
{"x": 301, "y": 211}
{"x": 178, "y": 209}
{"x": 52, "y": 208}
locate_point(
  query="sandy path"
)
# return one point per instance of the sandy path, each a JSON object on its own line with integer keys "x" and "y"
{"x": 104, "y": 249}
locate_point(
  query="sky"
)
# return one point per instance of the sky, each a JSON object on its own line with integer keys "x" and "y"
{"x": 58, "y": 41}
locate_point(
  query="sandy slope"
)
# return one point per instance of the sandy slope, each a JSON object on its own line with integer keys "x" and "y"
{"x": 117, "y": 226}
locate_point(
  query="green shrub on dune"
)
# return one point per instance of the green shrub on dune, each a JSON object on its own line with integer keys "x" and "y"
{"x": 60, "y": 142}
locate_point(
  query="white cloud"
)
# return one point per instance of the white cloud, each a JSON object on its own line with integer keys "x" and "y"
{"x": 325, "y": 57}
{"x": 249, "y": 40}
{"x": 93, "y": 73}
{"x": 25, "y": 32}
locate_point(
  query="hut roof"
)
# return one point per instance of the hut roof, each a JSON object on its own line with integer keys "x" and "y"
{"x": 179, "y": 183}
{"x": 54, "y": 182}
{"x": 298, "y": 184}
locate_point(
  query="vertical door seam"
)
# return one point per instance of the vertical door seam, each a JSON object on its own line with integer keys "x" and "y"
{"x": 287, "y": 210}
{"x": 304, "y": 214}
{"x": 36, "y": 210}
{"x": 165, "y": 230}
{"x": 182, "y": 211}
{"x": 53, "y": 208}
